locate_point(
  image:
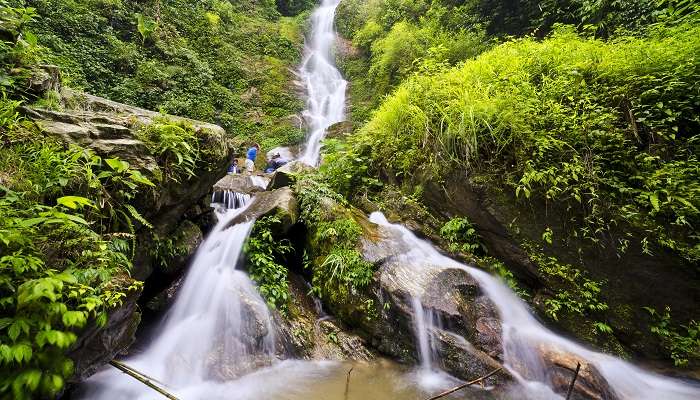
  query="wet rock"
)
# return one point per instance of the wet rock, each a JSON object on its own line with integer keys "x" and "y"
{"x": 238, "y": 183}
{"x": 339, "y": 130}
{"x": 305, "y": 332}
{"x": 280, "y": 202}
{"x": 286, "y": 175}
{"x": 590, "y": 384}
{"x": 96, "y": 346}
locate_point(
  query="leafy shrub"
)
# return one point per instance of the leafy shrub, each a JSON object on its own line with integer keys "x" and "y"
{"x": 607, "y": 128}
{"x": 264, "y": 253}
{"x": 338, "y": 268}
{"x": 175, "y": 144}
{"x": 461, "y": 236}
{"x": 682, "y": 347}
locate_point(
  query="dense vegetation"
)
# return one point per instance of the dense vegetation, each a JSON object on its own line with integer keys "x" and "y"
{"x": 71, "y": 221}
{"x": 598, "y": 119}
{"x": 395, "y": 38}
{"x": 217, "y": 61}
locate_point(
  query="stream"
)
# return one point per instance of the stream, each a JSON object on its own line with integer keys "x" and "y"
{"x": 218, "y": 340}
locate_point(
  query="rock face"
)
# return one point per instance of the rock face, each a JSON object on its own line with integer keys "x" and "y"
{"x": 503, "y": 223}
{"x": 286, "y": 175}
{"x": 97, "y": 346}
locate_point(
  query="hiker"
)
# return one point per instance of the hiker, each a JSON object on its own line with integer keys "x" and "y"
{"x": 275, "y": 162}
{"x": 251, "y": 156}
{"x": 233, "y": 168}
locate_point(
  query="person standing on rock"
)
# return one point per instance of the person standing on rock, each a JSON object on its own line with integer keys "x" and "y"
{"x": 233, "y": 168}
{"x": 251, "y": 156}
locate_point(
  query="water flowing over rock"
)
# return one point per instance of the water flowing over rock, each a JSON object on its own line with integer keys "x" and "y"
{"x": 325, "y": 85}
{"x": 218, "y": 328}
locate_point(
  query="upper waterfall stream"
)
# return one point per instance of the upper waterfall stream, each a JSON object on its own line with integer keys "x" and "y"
{"x": 324, "y": 84}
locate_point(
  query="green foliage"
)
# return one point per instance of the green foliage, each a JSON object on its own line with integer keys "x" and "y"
{"x": 63, "y": 257}
{"x": 222, "y": 62}
{"x": 19, "y": 49}
{"x": 462, "y": 237}
{"x": 146, "y": 26}
{"x": 606, "y": 129}
{"x": 265, "y": 256}
{"x": 398, "y": 38}
{"x": 681, "y": 346}
{"x": 338, "y": 268}
{"x": 175, "y": 144}
{"x": 574, "y": 292}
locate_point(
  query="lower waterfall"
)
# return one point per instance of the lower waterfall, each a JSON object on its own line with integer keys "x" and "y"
{"x": 523, "y": 335}
{"x": 218, "y": 328}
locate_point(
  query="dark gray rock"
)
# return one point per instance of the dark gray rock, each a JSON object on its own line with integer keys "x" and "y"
{"x": 97, "y": 346}
{"x": 280, "y": 202}
{"x": 286, "y": 175}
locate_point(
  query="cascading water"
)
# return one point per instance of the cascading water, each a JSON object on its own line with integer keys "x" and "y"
{"x": 218, "y": 328}
{"x": 523, "y": 336}
{"x": 325, "y": 85}
{"x": 229, "y": 199}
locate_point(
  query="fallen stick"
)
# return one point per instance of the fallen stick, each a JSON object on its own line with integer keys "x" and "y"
{"x": 443, "y": 394}
{"x": 573, "y": 381}
{"x": 347, "y": 383}
{"x": 141, "y": 378}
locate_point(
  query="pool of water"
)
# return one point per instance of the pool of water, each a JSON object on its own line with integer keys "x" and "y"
{"x": 303, "y": 380}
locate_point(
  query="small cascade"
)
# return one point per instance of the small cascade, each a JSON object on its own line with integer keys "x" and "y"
{"x": 218, "y": 329}
{"x": 324, "y": 84}
{"x": 423, "y": 327}
{"x": 229, "y": 200}
{"x": 524, "y": 337}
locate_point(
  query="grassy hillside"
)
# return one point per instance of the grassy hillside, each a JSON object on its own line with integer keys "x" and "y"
{"x": 605, "y": 130}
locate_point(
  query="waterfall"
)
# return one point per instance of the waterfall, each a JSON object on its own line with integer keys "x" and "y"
{"x": 218, "y": 328}
{"x": 325, "y": 85}
{"x": 523, "y": 335}
{"x": 229, "y": 199}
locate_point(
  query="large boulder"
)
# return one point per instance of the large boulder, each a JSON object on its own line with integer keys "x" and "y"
{"x": 287, "y": 174}
{"x": 307, "y": 332}
{"x": 468, "y": 335}
{"x": 280, "y": 202}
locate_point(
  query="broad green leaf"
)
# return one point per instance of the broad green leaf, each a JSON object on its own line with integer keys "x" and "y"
{"x": 74, "y": 202}
{"x": 654, "y": 201}
{"x": 117, "y": 164}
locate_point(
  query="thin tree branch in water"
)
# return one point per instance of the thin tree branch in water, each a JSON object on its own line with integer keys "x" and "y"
{"x": 573, "y": 381}
{"x": 141, "y": 378}
{"x": 448, "y": 392}
{"x": 347, "y": 383}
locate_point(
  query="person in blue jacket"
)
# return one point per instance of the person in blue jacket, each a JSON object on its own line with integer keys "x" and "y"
{"x": 251, "y": 156}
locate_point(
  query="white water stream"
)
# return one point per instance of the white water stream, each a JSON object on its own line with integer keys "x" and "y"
{"x": 325, "y": 85}
{"x": 523, "y": 335}
{"x": 218, "y": 327}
